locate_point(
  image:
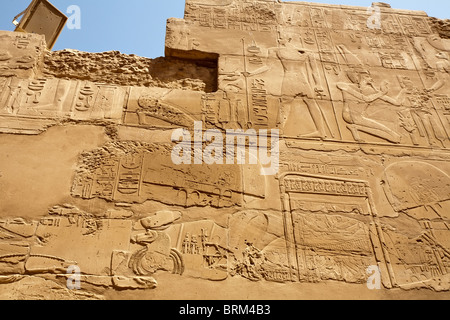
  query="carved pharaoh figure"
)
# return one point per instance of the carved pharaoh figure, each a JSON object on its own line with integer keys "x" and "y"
{"x": 362, "y": 91}
{"x": 300, "y": 83}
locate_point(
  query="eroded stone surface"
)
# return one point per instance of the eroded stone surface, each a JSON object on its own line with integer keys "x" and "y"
{"x": 130, "y": 70}
{"x": 442, "y": 27}
{"x": 359, "y": 203}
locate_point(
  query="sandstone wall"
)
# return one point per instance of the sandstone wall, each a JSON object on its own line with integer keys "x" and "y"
{"x": 362, "y": 190}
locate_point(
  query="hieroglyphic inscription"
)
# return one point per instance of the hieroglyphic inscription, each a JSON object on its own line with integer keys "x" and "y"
{"x": 315, "y": 185}
{"x": 325, "y": 169}
{"x": 393, "y": 60}
{"x": 241, "y": 16}
{"x": 444, "y": 102}
{"x": 259, "y": 103}
{"x": 22, "y": 41}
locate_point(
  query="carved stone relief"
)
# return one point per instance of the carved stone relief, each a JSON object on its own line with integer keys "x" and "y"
{"x": 42, "y": 102}
{"x": 158, "y": 107}
{"x": 21, "y": 54}
{"x": 136, "y": 172}
{"x": 363, "y": 182}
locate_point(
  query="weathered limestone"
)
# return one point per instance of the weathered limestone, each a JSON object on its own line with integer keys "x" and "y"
{"x": 360, "y": 200}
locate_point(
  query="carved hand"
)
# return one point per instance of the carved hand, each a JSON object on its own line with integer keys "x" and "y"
{"x": 384, "y": 87}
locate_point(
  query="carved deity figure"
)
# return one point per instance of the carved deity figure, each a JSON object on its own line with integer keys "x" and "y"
{"x": 417, "y": 116}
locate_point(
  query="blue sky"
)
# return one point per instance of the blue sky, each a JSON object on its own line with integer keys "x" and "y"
{"x": 138, "y": 26}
